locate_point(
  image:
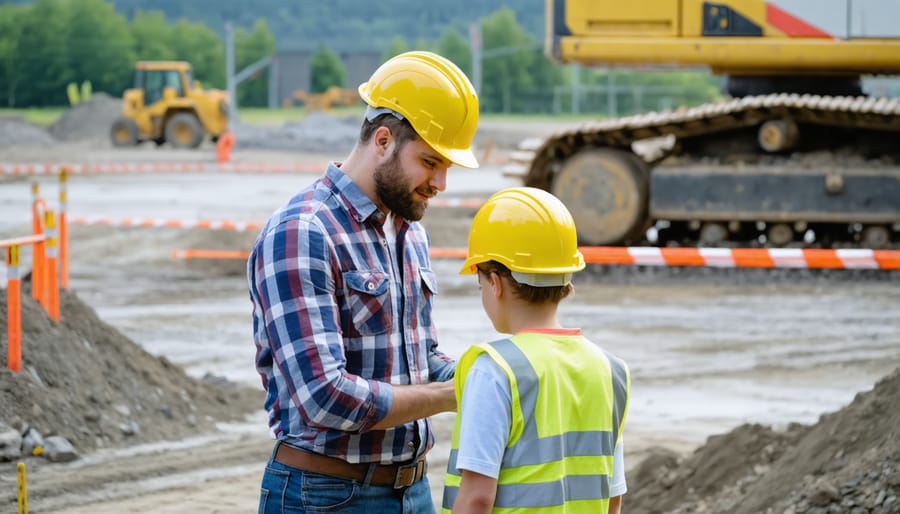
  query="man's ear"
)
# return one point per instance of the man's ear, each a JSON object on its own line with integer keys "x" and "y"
{"x": 382, "y": 139}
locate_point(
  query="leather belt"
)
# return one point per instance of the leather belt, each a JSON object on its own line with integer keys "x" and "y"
{"x": 395, "y": 475}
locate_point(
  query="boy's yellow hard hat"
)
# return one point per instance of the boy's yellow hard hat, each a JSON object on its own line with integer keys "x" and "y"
{"x": 529, "y": 231}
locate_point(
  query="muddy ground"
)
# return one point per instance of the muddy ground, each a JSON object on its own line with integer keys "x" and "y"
{"x": 751, "y": 389}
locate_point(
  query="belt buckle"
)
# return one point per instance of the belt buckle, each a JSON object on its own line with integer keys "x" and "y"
{"x": 408, "y": 474}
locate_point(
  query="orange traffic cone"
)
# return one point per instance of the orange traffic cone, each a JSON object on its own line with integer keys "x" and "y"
{"x": 224, "y": 146}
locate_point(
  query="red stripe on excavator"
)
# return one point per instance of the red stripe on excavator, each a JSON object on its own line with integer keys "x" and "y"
{"x": 791, "y": 25}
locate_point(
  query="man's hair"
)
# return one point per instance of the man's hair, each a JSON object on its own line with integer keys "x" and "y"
{"x": 402, "y": 131}
{"x": 528, "y": 293}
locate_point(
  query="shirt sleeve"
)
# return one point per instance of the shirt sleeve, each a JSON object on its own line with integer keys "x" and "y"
{"x": 617, "y": 485}
{"x": 440, "y": 367}
{"x": 295, "y": 290}
{"x": 485, "y": 419}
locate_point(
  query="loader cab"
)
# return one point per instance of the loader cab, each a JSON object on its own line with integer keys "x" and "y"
{"x": 159, "y": 83}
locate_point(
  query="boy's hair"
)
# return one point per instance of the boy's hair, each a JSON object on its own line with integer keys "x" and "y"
{"x": 402, "y": 131}
{"x": 528, "y": 293}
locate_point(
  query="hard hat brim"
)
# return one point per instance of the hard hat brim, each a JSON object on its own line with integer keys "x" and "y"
{"x": 463, "y": 158}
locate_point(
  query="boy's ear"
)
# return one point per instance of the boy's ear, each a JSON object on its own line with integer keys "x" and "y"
{"x": 496, "y": 284}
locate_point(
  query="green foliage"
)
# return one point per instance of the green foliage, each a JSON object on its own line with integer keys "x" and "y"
{"x": 325, "y": 70}
{"x": 397, "y": 46}
{"x": 508, "y": 55}
{"x": 152, "y": 37}
{"x": 198, "y": 44}
{"x": 47, "y": 44}
{"x": 455, "y": 47}
{"x": 10, "y": 32}
{"x": 98, "y": 45}
{"x": 250, "y": 47}
{"x": 342, "y": 25}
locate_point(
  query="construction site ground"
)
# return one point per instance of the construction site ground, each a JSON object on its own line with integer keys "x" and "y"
{"x": 752, "y": 390}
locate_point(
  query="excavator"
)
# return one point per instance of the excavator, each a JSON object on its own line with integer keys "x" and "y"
{"x": 794, "y": 155}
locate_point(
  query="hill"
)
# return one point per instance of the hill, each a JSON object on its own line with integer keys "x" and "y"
{"x": 342, "y": 25}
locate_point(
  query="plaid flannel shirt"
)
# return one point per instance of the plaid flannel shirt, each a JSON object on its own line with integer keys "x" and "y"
{"x": 328, "y": 314}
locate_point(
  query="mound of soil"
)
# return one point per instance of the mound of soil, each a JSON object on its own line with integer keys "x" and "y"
{"x": 84, "y": 380}
{"x": 17, "y": 131}
{"x": 88, "y": 120}
{"x": 848, "y": 462}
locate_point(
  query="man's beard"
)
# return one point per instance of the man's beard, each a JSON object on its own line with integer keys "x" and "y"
{"x": 393, "y": 190}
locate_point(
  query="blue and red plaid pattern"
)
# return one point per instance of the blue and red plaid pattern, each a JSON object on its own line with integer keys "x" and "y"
{"x": 334, "y": 328}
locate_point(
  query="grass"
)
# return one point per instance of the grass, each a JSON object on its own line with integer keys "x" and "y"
{"x": 45, "y": 116}
{"x": 40, "y": 116}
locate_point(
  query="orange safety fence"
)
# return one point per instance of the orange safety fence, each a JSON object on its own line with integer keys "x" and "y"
{"x": 49, "y": 268}
{"x": 651, "y": 256}
{"x": 13, "y": 296}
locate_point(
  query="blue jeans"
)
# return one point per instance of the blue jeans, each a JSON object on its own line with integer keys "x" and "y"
{"x": 287, "y": 490}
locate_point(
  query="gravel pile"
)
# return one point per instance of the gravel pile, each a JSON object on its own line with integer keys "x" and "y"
{"x": 90, "y": 120}
{"x": 16, "y": 131}
{"x": 318, "y": 132}
{"x": 848, "y": 462}
{"x": 84, "y": 380}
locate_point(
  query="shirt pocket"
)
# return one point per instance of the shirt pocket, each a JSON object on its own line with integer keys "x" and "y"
{"x": 368, "y": 303}
{"x": 428, "y": 279}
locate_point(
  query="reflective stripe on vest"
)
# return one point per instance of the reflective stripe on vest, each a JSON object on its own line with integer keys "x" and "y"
{"x": 543, "y": 452}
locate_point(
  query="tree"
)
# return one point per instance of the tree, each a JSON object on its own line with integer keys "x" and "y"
{"x": 397, "y": 46}
{"x": 41, "y": 55}
{"x": 151, "y": 36}
{"x": 325, "y": 70}
{"x": 10, "y": 27}
{"x": 99, "y": 46}
{"x": 250, "y": 47}
{"x": 455, "y": 47}
{"x": 507, "y": 57}
{"x": 199, "y": 45}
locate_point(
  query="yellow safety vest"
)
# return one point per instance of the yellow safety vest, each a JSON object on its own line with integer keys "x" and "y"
{"x": 569, "y": 402}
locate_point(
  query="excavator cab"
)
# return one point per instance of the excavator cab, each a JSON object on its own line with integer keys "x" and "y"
{"x": 167, "y": 105}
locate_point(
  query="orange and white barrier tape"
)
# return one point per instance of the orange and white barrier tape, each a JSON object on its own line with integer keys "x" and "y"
{"x": 161, "y": 167}
{"x": 464, "y": 203}
{"x": 744, "y": 257}
{"x": 648, "y": 256}
{"x": 238, "y": 226}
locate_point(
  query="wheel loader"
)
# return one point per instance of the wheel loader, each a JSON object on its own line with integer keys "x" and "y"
{"x": 167, "y": 105}
{"x": 794, "y": 156}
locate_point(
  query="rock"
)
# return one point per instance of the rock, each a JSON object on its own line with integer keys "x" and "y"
{"x": 32, "y": 441}
{"x": 10, "y": 443}
{"x": 130, "y": 428}
{"x": 58, "y": 449}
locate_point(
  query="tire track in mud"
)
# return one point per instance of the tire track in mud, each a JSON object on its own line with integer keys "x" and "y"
{"x": 108, "y": 476}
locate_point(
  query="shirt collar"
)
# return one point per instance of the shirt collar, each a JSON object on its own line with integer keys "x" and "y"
{"x": 359, "y": 204}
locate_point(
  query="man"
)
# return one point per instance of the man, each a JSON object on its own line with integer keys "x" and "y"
{"x": 540, "y": 413}
{"x": 341, "y": 285}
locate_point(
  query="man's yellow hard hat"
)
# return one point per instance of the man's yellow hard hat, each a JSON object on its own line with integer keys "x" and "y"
{"x": 434, "y": 95}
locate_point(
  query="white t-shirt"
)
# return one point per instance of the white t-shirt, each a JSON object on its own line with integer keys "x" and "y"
{"x": 485, "y": 427}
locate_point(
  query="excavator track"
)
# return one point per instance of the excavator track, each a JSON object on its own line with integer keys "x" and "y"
{"x": 760, "y": 170}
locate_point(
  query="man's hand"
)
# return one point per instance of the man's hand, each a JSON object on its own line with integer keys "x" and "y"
{"x": 414, "y": 402}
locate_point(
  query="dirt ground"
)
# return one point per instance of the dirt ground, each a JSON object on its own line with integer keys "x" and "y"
{"x": 753, "y": 391}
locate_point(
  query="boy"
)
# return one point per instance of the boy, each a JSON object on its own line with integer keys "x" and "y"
{"x": 540, "y": 413}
